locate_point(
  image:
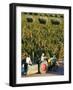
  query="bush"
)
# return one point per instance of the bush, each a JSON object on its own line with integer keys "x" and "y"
{"x": 30, "y": 13}
{"x": 42, "y": 20}
{"x": 29, "y": 19}
{"x": 61, "y": 16}
{"x": 35, "y": 13}
{"x": 55, "y": 22}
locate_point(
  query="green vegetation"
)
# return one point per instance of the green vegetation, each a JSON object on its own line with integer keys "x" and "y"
{"x": 42, "y": 32}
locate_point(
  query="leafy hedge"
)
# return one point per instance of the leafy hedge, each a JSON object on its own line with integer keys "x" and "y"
{"x": 44, "y": 37}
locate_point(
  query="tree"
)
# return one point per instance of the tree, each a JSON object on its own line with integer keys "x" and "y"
{"x": 38, "y": 38}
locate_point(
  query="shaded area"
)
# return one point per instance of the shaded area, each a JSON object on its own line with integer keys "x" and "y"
{"x": 57, "y": 70}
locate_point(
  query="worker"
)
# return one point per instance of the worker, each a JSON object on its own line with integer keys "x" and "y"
{"x": 28, "y": 60}
{"x": 43, "y": 57}
{"x": 25, "y": 66}
{"x": 52, "y": 60}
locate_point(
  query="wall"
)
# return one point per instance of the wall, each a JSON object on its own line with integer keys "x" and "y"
{"x": 4, "y": 43}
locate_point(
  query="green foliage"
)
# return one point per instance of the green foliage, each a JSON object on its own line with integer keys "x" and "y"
{"x": 46, "y": 37}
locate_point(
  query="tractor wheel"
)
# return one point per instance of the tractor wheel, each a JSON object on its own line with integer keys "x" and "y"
{"x": 43, "y": 67}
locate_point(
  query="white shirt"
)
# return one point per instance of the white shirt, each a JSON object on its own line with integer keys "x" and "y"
{"x": 28, "y": 60}
{"x": 42, "y": 58}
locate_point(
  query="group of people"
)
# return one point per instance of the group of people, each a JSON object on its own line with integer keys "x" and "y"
{"x": 28, "y": 61}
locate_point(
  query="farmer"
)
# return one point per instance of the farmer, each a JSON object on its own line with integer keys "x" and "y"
{"x": 27, "y": 63}
{"x": 52, "y": 60}
{"x": 28, "y": 60}
{"x": 43, "y": 57}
